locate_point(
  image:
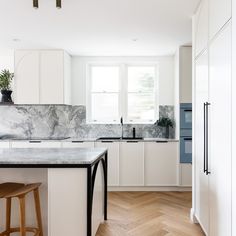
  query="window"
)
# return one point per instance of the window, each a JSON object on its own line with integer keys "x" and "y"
{"x": 122, "y": 90}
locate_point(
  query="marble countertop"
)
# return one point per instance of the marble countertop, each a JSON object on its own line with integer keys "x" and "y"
{"x": 48, "y": 156}
{"x": 85, "y": 140}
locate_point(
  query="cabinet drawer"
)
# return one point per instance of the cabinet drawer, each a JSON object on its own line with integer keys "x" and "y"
{"x": 35, "y": 144}
{"x": 78, "y": 144}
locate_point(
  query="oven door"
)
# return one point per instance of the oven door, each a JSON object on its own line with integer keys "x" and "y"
{"x": 185, "y": 150}
{"x": 186, "y": 118}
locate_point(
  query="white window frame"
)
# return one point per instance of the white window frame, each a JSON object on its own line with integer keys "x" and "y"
{"x": 89, "y": 93}
{"x": 123, "y": 92}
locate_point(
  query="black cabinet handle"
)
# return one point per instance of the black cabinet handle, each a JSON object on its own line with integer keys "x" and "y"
{"x": 207, "y": 127}
{"x": 188, "y": 139}
{"x": 107, "y": 141}
{"x": 160, "y": 141}
{"x": 204, "y": 142}
{"x": 35, "y": 141}
{"x": 132, "y": 141}
{"x": 77, "y": 141}
{"x": 188, "y": 110}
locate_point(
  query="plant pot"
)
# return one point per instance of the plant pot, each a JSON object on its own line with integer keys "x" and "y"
{"x": 6, "y": 96}
{"x": 167, "y": 134}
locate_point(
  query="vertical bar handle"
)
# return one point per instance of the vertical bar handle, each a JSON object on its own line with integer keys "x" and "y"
{"x": 204, "y": 160}
{"x": 207, "y": 127}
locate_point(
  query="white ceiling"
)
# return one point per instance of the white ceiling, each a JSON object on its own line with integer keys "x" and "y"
{"x": 98, "y": 27}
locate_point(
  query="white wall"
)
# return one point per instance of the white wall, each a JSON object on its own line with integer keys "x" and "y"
{"x": 166, "y": 76}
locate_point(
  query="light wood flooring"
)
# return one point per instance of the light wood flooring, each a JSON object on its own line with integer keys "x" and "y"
{"x": 149, "y": 214}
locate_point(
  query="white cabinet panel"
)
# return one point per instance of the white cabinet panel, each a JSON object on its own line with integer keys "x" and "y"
{"x": 52, "y": 77}
{"x": 28, "y": 144}
{"x": 78, "y": 144}
{"x": 131, "y": 163}
{"x": 42, "y": 77}
{"x": 113, "y": 161}
{"x": 201, "y": 179}
{"x": 186, "y": 175}
{"x": 161, "y": 163}
{"x": 26, "y": 77}
{"x": 219, "y": 14}
{"x": 220, "y": 133}
{"x": 4, "y": 144}
{"x": 201, "y": 28}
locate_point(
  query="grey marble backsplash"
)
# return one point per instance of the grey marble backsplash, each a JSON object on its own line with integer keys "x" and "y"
{"x": 29, "y": 121}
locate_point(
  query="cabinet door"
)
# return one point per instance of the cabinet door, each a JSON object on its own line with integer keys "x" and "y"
{"x": 186, "y": 175}
{"x": 33, "y": 144}
{"x": 26, "y": 77}
{"x": 201, "y": 28}
{"x": 220, "y": 133}
{"x": 131, "y": 163}
{"x": 78, "y": 144}
{"x": 4, "y": 144}
{"x": 219, "y": 14}
{"x": 201, "y": 179}
{"x": 161, "y": 163}
{"x": 113, "y": 161}
{"x": 52, "y": 77}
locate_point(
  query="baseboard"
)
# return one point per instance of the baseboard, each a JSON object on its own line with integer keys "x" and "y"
{"x": 150, "y": 189}
{"x": 193, "y": 217}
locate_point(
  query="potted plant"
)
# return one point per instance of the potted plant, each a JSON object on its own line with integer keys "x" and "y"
{"x": 5, "y": 85}
{"x": 167, "y": 123}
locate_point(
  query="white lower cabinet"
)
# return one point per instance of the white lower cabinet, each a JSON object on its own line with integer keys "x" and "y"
{"x": 161, "y": 162}
{"x": 113, "y": 161}
{"x": 35, "y": 144}
{"x": 131, "y": 163}
{"x": 4, "y": 144}
{"x": 186, "y": 175}
{"x": 78, "y": 144}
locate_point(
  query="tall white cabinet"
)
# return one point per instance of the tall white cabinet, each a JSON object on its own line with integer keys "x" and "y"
{"x": 42, "y": 77}
{"x": 212, "y": 190}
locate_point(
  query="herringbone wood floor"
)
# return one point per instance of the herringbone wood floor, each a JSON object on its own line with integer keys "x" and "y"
{"x": 149, "y": 214}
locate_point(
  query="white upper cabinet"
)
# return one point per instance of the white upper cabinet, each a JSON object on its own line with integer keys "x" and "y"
{"x": 42, "y": 77}
{"x": 26, "y": 80}
{"x": 201, "y": 28}
{"x": 219, "y": 14}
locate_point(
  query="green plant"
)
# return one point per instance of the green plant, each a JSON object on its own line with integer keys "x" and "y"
{"x": 165, "y": 122}
{"x": 5, "y": 79}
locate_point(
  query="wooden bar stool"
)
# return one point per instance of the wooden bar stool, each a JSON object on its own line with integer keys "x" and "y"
{"x": 19, "y": 190}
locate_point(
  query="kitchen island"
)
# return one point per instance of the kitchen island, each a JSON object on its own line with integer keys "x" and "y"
{"x": 74, "y": 191}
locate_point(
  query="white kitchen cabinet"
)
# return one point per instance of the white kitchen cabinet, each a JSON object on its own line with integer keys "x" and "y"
{"x": 131, "y": 163}
{"x": 35, "y": 144}
{"x": 220, "y": 132}
{"x": 5, "y": 144}
{"x": 201, "y": 28}
{"x": 78, "y": 144}
{"x": 201, "y": 179}
{"x": 113, "y": 161}
{"x": 42, "y": 77}
{"x": 27, "y": 75}
{"x": 186, "y": 175}
{"x": 219, "y": 14}
{"x": 161, "y": 163}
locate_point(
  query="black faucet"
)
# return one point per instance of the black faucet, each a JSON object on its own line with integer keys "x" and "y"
{"x": 134, "y": 132}
{"x": 121, "y": 123}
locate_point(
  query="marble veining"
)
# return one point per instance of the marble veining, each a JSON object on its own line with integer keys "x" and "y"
{"x": 51, "y": 121}
{"x": 50, "y": 155}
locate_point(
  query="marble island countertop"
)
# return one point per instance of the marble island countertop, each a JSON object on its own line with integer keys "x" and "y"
{"x": 50, "y": 156}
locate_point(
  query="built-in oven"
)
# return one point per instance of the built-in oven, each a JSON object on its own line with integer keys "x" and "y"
{"x": 185, "y": 133}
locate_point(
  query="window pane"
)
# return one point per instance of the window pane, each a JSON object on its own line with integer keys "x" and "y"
{"x": 141, "y": 107}
{"x": 105, "y": 107}
{"x": 141, "y": 78}
{"x": 105, "y": 78}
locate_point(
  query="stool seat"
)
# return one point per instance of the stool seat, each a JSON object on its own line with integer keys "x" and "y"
{"x": 7, "y": 188}
{"x": 20, "y": 190}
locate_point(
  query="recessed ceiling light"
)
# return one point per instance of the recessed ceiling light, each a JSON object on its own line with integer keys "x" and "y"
{"x": 135, "y": 40}
{"x": 16, "y": 40}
